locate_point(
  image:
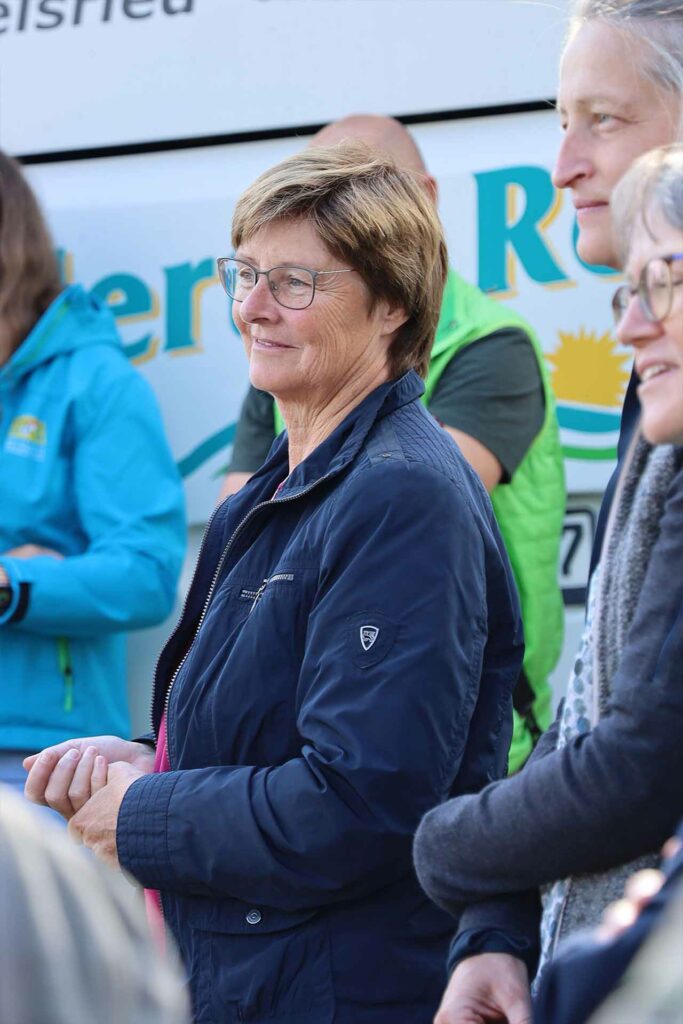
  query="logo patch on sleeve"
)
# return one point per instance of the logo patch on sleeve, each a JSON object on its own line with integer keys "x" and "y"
{"x": 368, "y": 635}
{"x": 369, "y": 638}
{"x": 27, "y": 436}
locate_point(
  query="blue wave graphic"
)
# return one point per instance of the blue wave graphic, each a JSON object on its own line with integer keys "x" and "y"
{"x": 206, "y": 450}
{"x": 589, "y": 421}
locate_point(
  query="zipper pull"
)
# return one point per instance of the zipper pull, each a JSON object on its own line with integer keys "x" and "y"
{"x": 66, "y": 669}
{"x": 259, "y": 593}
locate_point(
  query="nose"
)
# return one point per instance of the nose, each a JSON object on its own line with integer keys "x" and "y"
{"x": 572, "y": 161}
{"x": 634, "y": 328}
{"x": 259, "y": 303}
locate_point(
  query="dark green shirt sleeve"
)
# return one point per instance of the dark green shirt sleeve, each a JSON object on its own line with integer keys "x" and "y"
{"x": 493, "y": 391}
{"x": 255, "y": 432}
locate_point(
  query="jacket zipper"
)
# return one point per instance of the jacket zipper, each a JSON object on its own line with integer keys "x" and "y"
{"x": 255, "y": 595}
{"x": 182, "y": 615}
{"x": 214, "y": 581}
{"x": 67, "y": 672}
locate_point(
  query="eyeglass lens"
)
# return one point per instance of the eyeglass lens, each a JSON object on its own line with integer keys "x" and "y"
{"x": 292, "y": 287}
{"x": 654, "y": 292}
{"x": 656, "y": 288}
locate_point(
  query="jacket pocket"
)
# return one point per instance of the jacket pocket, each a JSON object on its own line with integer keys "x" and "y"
{"x": 253, "y": 594}
{"x": 259, "y": 963}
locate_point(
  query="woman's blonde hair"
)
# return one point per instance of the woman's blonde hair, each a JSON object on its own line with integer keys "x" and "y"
{"x": 653, "y": 184}
{"x": 658, "y": 24}
{"x": 373, "y": 217}
{"x": 29, "y": 271}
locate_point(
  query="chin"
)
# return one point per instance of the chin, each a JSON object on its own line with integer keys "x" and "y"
{"x": 261, "y": 381}
{"x": 595, "y": 251}
{"x": 268, "y": 379}
{"x": 658, "y": 428}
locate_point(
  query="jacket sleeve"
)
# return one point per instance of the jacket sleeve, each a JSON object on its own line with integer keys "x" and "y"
{"x": 383, "y": 724}
{"x": 509, "y": 923}
{"x": 130, "y": 508}
{"x": 604, "y": 799}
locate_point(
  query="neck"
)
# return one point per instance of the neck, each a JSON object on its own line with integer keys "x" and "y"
{"x": 309, "y": 423}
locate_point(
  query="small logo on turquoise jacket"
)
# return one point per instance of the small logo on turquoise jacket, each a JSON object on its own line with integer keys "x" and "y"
{"x": 27, "y": 436}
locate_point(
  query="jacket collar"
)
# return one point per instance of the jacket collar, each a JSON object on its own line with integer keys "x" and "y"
{"x": 343, "y": 444}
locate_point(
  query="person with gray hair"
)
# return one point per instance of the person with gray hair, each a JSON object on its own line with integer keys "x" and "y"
{"x": 641, "y": 108}
{"x": 590, "y": 970}
{"x": 76, "y": 945}
{"x": 604, "y": 785}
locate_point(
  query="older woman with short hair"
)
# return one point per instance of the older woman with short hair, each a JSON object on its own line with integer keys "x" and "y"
{"x": 348, "y": 648}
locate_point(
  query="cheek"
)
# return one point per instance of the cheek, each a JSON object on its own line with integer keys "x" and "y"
{"x": 242, "y": 327}
{"x": 328, "y": 335}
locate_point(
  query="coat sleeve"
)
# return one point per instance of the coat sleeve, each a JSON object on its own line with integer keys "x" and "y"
{"x": 382, "y": 716}
{"x": 604, "y": 799}
{"x": 130, "y": 508}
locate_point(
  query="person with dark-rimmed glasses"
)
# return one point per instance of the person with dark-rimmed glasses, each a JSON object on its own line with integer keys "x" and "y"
{"x": 648, "y": 213}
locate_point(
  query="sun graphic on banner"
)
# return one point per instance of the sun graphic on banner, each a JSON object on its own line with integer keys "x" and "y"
{"x": 589, "y": 369}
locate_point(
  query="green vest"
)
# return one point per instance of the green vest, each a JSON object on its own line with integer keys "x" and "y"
{"x": 529, "y": 509}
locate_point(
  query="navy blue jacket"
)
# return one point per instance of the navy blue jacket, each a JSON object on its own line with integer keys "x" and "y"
{"x": 345, "y": 661}
{"x": 630, "y": 415}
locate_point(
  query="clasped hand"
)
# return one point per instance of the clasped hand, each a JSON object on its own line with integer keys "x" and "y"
{"x": 86, "y": 781}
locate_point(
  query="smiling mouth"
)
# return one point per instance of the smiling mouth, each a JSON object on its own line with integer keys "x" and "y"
{"x": 656, "y": 370}
{"x": 263, "y": 343}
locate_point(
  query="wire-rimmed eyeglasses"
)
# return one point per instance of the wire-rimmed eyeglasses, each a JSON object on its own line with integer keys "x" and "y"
{"x": 292, "y": 287}
{"x": 655, "y": 290}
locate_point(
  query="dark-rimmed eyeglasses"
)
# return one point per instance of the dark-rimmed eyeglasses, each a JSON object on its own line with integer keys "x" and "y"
{"x": 655, "y": 290}
{"x": 292, "y": 287}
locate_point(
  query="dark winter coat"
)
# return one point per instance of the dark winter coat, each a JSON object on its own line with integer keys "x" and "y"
{"x": 345, "y": 660}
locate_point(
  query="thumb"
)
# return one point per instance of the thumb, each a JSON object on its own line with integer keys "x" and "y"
{"x": 120, "y": 771}
{"x": 519, "y": 1012}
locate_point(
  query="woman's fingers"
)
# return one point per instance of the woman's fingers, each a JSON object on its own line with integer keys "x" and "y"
{"x": 639, "y": 890}
{"x": 33, "y": 551}
{"x": 51, "y": 755}
{"x": 57, "y": 789}
{"x": 40, "y": 767}
{"x": 618, "y": 916}
{"x": 671, "y": 847}
{"x": 80, "y": 788}
{"x": 99, "y": 774}
{"x": 641, "y": 887}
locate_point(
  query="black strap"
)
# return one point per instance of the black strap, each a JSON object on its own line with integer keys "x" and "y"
{"x": 523, "y": 698}
{"x": 22, "y": 604}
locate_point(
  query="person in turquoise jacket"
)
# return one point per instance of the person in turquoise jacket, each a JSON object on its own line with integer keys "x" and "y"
{"x": 92, "y": 525}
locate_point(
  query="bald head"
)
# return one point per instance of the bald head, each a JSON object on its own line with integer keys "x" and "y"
{"x": 382, "y": 133}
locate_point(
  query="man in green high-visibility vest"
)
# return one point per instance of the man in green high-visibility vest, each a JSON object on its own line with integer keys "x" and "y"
{"x": 488, "y": 387}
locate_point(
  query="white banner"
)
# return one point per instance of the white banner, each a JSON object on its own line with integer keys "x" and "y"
{"x": 80, "y": 74}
